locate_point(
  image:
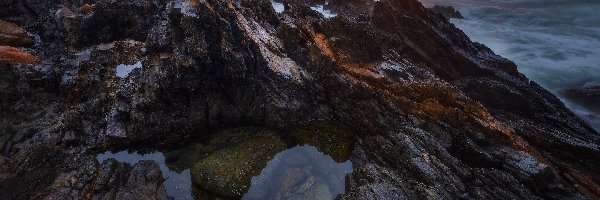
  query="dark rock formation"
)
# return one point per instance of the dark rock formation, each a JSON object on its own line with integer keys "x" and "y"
{"x": 588, "y": 97}
{"x": 447, "y": 11}
{"x": 351, "y": 8}
{"x": 12, "y": 35}
{"x": 435, "y": 115}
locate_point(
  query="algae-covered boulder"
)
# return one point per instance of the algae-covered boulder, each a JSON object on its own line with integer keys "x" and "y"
{"x": 332, "y": 139}
{"x": 184, "y": 158}
{"x": 228, "y": 171}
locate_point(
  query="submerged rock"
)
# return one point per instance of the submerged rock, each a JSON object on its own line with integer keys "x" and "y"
{"x": 331, "y": 139}
{"x": 311, "y": 189}
{"x": 301, "y": 172}
{"x": 228, "y": 171}
{"x": 181, "y": 159}
{"x": 186, "y": 157}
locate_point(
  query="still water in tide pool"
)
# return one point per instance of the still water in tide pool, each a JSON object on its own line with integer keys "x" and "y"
{"x": 300, "y": 172}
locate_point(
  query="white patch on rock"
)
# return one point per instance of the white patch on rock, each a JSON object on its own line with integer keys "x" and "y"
{"x": 402, "y": 70}
{"x": 123, "y": 70}
{"x": 279, "y": 7}
{"x": 390, "y": 65}
{"x": 525, "y": 162}
{"x": 268, "y": 44}
{"x": 186, "y": 8}
{"x": 67, "y": 78}
{"x": 326, "y": 13}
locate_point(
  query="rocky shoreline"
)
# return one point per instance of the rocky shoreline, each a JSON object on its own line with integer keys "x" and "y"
{"x": 434, "y": 115}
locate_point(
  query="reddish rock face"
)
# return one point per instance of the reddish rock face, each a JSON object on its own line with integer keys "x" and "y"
{"x": 86, "y": 8}
{"x": 12, "y": 55}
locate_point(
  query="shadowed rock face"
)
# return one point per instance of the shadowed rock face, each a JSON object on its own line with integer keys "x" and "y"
{"x": 587, "y": 96}
{"x": 447, "y": 11}
{"x": 12, "y": 35}
{"x": 436, "y": 115}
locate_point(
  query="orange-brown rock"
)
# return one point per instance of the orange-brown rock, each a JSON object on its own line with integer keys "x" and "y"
{"x": 86, "y": 8}
{"x": 13, "y": 35}
{"x": 14, "y": 55}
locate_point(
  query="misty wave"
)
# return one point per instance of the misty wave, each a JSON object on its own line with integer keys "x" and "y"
{"x": 555, "y": 43}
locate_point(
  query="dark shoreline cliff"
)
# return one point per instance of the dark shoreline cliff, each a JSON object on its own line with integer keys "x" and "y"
{"x": 435, "y": 115}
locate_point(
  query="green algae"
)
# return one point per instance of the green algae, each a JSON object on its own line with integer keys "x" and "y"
{"x": 330, "y": 138}
{"x": 181, "y": 159}
{"x": 229, "y": 171}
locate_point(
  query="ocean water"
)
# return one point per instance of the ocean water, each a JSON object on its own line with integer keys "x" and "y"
{"x": 555, "y": 43}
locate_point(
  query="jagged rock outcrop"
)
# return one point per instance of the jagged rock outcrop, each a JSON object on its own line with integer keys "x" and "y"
{"x": 13, "y": 35}
{"x": 585, "y": 96}
{"x": 447, "y": 11}
{"x": 435, "y": 115}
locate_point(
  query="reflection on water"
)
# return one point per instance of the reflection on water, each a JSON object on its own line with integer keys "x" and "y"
{"x": 177, "y": 185}
{"x": 300, "y": 172}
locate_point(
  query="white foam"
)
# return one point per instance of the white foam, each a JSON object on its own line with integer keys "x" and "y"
{"x": 123, "y": 70}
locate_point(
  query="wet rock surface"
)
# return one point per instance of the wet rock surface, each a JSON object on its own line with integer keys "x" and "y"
{"x": 331, "y": 139}
{"x": 228, "y": 171}
{"x": 434, "y": 115}
{"x": 587, "y": 96}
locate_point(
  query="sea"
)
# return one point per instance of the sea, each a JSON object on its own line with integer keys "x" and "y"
{"x": 555, "y": 43}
